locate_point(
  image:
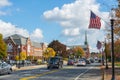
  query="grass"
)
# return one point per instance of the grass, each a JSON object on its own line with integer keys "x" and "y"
{"x": 117, "y": 64}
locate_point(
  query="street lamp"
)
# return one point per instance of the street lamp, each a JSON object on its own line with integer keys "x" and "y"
{"x": 112, "y": 14}
{"x": 19, "y": 55}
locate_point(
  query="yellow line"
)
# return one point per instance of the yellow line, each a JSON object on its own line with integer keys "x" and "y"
{"x": 35, "y": 76}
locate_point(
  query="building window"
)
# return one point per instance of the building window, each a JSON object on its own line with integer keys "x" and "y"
{"x": 9, "y": 47}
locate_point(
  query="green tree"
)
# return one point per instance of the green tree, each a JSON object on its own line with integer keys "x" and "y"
{"x": 3, "y": 48}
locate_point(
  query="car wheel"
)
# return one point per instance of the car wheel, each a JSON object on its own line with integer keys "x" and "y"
{"x": 48, "y": 67}
{"x": 10, "y": 71}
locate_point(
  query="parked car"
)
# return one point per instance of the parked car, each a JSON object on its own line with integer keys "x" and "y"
{"x": 81, "y": 62}
{"x": 5, "y": 68}
{"x": 55, "y": 62}
{"x": 86, "y": 60}
{"x": 70, "y": 62}
{"x": 91, "y": 60}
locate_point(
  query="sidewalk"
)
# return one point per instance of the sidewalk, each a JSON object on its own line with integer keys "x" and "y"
{"x": 107, "y": 73}
{"x": 32, "y": 66}
{"x": 28, "y": 67}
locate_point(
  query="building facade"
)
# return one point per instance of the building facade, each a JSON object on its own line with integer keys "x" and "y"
{"x": 17, "y": 44}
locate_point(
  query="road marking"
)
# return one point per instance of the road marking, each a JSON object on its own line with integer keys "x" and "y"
{"x": 82, "y": 73}
{"x": 38, "y": 75}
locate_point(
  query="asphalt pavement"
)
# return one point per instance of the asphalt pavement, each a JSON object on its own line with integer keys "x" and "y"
{"x": 87, "y": 75}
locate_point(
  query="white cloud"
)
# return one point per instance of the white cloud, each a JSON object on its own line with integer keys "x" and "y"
{"x": 74, "y": 18}
{"x": 37, "y": 35}
{"x": 4, "y": 3}
{"x": 8, "y": 29}
{"x": 71, "y": 31}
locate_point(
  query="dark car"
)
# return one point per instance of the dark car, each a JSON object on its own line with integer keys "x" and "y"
{"x": 70, "y": 62}
{"x": 55, "y": 62}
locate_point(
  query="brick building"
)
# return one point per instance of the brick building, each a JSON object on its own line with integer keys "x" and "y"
{"x": 17, "y": 43}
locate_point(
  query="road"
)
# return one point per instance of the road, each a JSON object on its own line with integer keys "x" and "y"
{"x": 89, "y": 72}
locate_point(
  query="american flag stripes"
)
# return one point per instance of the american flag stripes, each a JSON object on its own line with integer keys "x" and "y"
{"x": 94, "y": 21}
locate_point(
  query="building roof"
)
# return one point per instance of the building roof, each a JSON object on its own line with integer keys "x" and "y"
{"x": 36, "y": 44}
{"x": 18, "y": 39}
{"x": 82, "y": 46}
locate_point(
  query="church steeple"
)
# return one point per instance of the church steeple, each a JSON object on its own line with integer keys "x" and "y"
{"x": 86, "y": 43}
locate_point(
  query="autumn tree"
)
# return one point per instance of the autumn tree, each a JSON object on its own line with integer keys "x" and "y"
{"x": 116, "y": 35}
{"x": 79, "y": 52}
{"x": 49, "y": 52}
{"x": 59, "y": 48}
{"x": 71, "y": 53}
{"x": 117, "y": 49}
{"x": 16, "y": 57}
{"x": 3, "y": 48}
{"x": 30, "y": 58}
{"x": 117, "y": 24}
{"x": 23, "y": 56}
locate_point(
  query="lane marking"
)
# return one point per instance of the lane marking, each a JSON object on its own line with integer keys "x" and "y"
{"x": 82, "y": 73}
{"x": 38, "y": 75}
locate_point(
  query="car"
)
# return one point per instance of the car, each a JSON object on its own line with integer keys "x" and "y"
{"x": 81, "y": 62}
{"x": 5, "y": 68}
{"x": 70, "y": 62}
{"x": 55, "y": 62}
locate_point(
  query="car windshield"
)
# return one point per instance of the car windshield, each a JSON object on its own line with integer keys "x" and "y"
{"x": 81, "y": 60}
{"x": 53, "y": 59}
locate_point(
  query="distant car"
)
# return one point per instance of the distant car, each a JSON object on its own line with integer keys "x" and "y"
{"x": 70, "y": 62}
{"x": 86, "y": 60}
{"x": 81, "y": 62}
{"x": 91, "y": 60}
{"x": 55, "y": 62}
{"x": 5, "y": 68}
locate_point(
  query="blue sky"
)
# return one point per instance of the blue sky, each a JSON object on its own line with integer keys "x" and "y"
{"x": 47, "y": 20}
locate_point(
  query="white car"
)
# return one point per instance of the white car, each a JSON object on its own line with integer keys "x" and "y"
{"x": 5, "y": 68}
{"x": 81, "y": 62}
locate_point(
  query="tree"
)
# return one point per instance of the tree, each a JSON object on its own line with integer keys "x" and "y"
{"x": 117, "y": 49}
{"x": 3, "y": 48}
{"x": 59, "y": 48}
{"x": 16, "y": 57}
{"x": 23, "y": 56}
{"x": 116, "y": 36}
{"x": 79, "y": 52}
{"x": 49, "y": 52}
{"x": 116, "y": 24}
{"x": 30, "y": 58}
{"x": 70, "y": 53}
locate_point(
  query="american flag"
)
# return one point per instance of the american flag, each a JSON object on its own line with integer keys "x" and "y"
{"x": 99, "y": 45}
{"x": 94, "y": 21}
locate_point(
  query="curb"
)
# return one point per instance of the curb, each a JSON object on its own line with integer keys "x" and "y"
{"x": 28, "y": 67}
